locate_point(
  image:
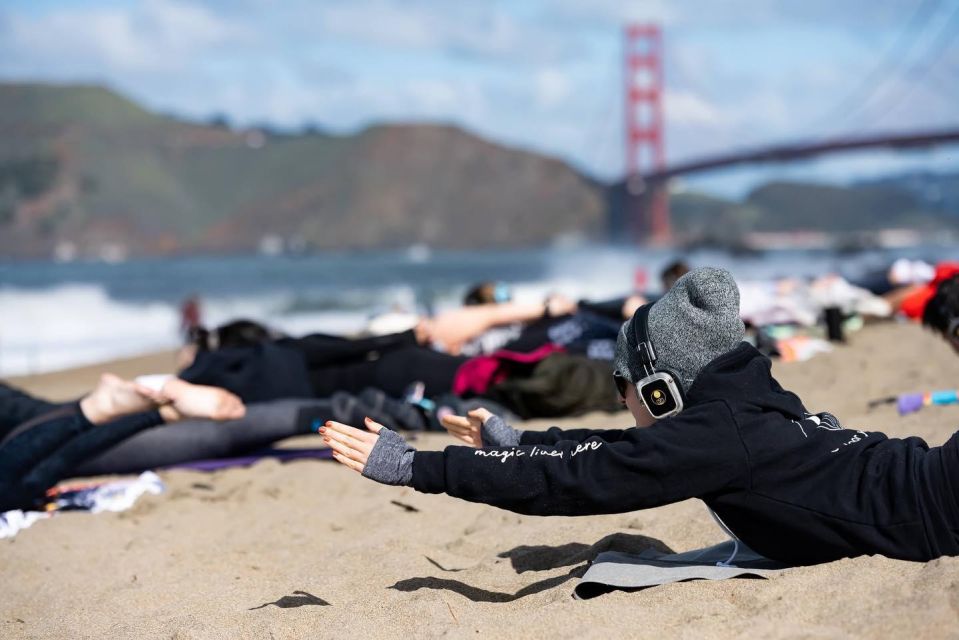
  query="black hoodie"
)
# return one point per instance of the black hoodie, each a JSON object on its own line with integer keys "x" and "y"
{"x": 795, "y": 487}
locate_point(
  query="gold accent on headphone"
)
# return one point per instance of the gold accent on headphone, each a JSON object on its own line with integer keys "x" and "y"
{"x": 658, "y": 397}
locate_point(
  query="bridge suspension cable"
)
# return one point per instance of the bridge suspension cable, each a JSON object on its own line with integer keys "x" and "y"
{"x": 873, "y": 82}
{"x": 920, "y": 68}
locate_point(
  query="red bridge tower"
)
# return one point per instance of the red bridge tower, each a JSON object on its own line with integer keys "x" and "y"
{"x": 645, "y": 150}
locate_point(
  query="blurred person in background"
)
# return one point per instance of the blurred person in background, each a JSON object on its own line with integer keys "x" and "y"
{"x": 260, "y": 365}
{"x": 190, "y": 315}
{"x": 937, "y": 305}
{"x": 912, "y": 297}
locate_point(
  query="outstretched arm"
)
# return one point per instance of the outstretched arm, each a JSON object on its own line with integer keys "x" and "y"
{"x": 676, "y": 459}
{"x": 481, "y": 428}
{"x": 452, "y": 329}
{"x": 555, "y": 435}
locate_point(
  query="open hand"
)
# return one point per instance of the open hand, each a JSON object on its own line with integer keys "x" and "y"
{"x": 468, "y": 428}
{"x": 351, "y": 446}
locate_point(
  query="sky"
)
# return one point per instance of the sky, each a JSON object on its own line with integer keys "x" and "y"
{"x": 544, "y": 75}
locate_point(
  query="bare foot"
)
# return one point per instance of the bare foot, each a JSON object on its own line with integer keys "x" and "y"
{"x": 114, "y": 397}
{"x": 199, "y": 401}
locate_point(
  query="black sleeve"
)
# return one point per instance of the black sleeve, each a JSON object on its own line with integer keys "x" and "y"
{"x": 321, "y": 350}
{"x": 607, "y": 308}
{"x": 554, "y": 435}
{"x": 691, "y": 455}
{"x": 17, "y": 407}
{"x": 260, "y": 373}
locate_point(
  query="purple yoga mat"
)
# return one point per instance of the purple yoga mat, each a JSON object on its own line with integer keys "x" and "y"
{"x": 283, "y": 455}
{"x": 909, "y": 403}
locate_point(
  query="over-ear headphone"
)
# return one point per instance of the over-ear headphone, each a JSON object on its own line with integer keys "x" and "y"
{"x": 660, "y": 389}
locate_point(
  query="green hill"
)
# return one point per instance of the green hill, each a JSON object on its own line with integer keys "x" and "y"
{"x": 797, "y": 206}
{"x": 838, "y": 208}
{"x": 86, "y": 167}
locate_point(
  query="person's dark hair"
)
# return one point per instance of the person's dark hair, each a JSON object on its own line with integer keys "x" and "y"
{"x": 238, "y": 333}
{"x": 487, "y": 293}
{"x": 943, "y": 306}
{"x": 673, "y": 272}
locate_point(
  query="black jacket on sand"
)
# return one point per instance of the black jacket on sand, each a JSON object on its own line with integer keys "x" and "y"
{"x": 795, "y": 487}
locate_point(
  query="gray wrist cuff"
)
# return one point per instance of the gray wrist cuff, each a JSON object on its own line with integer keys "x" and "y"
{"x": 497, "y": 433}
{"x": 391, "y": 460}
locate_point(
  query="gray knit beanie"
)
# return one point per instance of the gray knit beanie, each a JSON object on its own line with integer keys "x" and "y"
{"x": 694, "y": 323}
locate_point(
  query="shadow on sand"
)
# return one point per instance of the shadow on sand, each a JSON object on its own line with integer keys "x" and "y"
{"x": 543, "y": 557}
{"x": 538, "y": 558}
{"x": 298, "y": 599}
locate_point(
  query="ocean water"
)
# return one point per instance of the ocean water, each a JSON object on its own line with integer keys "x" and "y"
{"x": 54, "y": 315}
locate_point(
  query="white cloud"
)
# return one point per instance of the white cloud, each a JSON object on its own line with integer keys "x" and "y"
{"x": 417, "y": 25}
{"x": 179, "y": 26}
{"x": 686, "y": 108}
{"x": 614, "y": 13}
{"x": 552, "y": 87}
{"x": 156, "y": 35}
{"x": 745, "y": 14}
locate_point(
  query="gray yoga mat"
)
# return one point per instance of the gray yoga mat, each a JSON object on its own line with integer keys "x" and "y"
{"x": 613, "y": 570}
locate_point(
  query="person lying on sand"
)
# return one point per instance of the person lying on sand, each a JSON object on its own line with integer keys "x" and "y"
{"x": 711, "y": 423}
{"x": 39, "y": 453}
{"x": 263, "y": 424}
{"x": 249, "y": 360}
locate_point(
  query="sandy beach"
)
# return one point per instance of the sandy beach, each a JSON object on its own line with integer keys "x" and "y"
{"x": 310, "y": 549}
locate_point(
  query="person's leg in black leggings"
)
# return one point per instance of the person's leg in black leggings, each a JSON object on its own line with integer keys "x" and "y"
{"x": 62, "y": 462}
{"x": 263, "y": 424}
{"x": 47, "y": 450}
{"x": 38, "y": 439}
